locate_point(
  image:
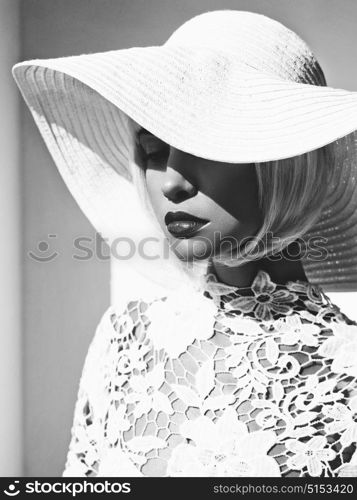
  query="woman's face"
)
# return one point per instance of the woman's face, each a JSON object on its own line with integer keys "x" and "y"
{"x": 199, "y": 203}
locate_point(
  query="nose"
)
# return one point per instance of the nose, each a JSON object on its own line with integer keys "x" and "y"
{"x": 176, "y": 187}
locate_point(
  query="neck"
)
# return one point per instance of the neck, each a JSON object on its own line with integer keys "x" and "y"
{"x": 286, "y": 266}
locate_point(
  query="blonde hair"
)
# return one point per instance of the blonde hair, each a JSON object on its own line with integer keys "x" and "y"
{"x": 291, "y": 195}
{"x": 136, "y": 168}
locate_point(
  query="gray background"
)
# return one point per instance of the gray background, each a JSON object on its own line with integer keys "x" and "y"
{"x": 64, "y": 299}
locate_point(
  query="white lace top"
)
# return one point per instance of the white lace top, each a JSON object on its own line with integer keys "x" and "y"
{"x": 220, "y": 383}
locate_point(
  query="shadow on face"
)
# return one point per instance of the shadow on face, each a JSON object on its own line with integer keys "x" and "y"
{"x": 225, "y": 195}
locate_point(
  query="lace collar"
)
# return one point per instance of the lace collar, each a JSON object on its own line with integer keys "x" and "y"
{"x": 264, "y": 299}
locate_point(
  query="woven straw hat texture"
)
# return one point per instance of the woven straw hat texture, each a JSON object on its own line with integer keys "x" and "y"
{"x": 227, "y": 85}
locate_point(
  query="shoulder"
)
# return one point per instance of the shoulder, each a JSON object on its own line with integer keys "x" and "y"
{"x": 328, "y": 334}
{"x": 120, "y": 322}
{"x": 339, "y": 344}
{"x": 115, "y": 330}
{"x": 118, "y": 347}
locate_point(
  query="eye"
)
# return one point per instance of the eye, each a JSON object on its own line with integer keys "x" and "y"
{"x": 153, "y": 148}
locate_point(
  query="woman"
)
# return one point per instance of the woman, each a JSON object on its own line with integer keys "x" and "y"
{"x": 215, "y": 359}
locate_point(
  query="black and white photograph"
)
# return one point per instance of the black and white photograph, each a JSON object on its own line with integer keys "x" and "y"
{"x": 179, "y": 253}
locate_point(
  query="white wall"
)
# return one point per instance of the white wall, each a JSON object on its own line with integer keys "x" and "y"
{"x": 63, "y": 298}
{"x": 10, "y": 270}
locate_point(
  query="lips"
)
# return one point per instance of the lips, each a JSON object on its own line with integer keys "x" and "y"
{"x": 183, "y": 224}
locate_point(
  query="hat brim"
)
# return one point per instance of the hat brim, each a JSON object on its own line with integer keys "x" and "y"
{"x": 201, "y": 101}
{"x": 206, "y": 102}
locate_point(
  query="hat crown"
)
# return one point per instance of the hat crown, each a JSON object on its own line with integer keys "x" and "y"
{"x": 256, "y": 40}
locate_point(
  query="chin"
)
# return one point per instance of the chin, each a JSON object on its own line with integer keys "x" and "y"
{"x": 191, "y": 249}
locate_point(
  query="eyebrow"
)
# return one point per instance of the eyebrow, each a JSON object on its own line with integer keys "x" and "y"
{"x": 142, "y": 131}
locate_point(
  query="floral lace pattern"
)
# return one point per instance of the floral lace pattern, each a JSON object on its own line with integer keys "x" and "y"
{"x": 220, "y": 383}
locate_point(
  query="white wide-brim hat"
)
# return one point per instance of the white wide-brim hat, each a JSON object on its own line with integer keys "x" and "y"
{"x": 227, "y": 85}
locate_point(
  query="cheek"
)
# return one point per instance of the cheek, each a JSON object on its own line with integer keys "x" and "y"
{"x": 237, "y": 201}
{"x": 235, "y": 229}
{"x": 246, "y": 213}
